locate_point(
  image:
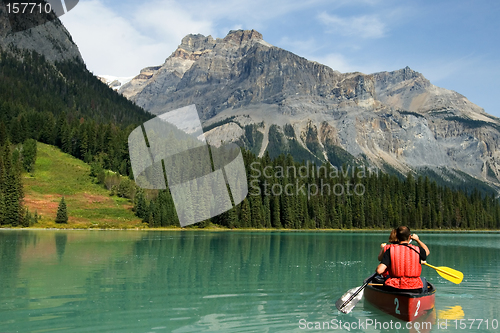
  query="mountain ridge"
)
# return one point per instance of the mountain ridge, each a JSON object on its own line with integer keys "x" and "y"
{"x": 395, "y": 119}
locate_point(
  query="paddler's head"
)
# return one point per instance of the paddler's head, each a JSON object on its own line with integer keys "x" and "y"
{"x": 403, "y": 234}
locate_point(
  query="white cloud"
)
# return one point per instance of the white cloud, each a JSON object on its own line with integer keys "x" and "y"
{"x": 115, "y": 45}
{"x": 108, "y": 43}
{"x": 343, "y": 64}
{"x": 365, "y": 26}
{"x": 148, "y": 32}
{"x": 122, "y": 39}
{"x": 169, "y": 21}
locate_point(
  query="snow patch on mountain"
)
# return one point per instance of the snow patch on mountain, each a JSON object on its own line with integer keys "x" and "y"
{"x": 115, "y": 82}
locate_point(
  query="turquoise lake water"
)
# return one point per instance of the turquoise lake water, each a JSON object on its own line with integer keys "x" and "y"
{"x": 195, "y": 281}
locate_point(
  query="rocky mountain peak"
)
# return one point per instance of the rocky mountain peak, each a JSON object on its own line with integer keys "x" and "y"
{"x": 198, "y": 42}
{"x": 400, "y": 75}
{"x": 407, "y": 73}
{"x": 241, "y": 36}
{"x": 267, "y": 98}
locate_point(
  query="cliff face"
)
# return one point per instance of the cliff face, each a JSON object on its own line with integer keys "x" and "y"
{"x": 50, "y": 39}
{"x": 390, "y": 119}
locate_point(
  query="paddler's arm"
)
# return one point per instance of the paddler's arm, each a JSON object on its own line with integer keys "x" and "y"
{"x": 381, "y": 268}
{"x": 420, "y": 243}
{"x": 385, "y": 262}
{"x": 381, "y": 253}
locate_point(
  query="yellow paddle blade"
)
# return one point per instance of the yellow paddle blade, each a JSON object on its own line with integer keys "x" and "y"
{"x": 449, "y": 274}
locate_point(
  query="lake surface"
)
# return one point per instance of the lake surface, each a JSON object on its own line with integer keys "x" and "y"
{"x": 195, "y": 281}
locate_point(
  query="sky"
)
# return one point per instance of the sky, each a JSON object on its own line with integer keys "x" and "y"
{"x": 453, "y": 43}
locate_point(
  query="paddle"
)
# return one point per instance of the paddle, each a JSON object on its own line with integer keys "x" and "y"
{"x": 348, "y": 301}
{"x": 449, "y": 274}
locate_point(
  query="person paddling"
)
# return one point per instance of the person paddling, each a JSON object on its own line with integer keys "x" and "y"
{"x": 384, "y": 247}
{"x": 403, "y": 261}
{"x": 393, "y": 239}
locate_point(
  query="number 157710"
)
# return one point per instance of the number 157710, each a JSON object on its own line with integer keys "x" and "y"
{"x": 475, "y": 323}
{"x": 28, "y": 8}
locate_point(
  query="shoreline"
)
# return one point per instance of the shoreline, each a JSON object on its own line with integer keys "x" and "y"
{"x": 221, "y": 229}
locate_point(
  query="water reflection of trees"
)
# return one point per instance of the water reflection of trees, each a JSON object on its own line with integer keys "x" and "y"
{"x": 13, "y": 291}
{"x": 191, "y": 270}
{"x": 218, "y": 276}
{"x": 168, "y": 272}
{"x": 61, "y": 240}
{"x": 199, "y": 259}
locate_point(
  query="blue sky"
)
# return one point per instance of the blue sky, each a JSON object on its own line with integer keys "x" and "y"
{"x": 452, "y": 43}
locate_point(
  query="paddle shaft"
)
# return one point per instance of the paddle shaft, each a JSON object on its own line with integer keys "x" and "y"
{"x": 358, "y": 291}
{"x": 447, "y": 273}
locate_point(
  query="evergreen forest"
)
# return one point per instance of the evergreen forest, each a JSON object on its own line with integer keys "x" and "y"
{"x": 64, "y": 105}
{"x": 284, "y": 193}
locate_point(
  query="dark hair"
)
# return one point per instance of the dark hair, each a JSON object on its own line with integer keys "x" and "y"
{"x": 403, "y": 233}
{"x": 393, "y": 236}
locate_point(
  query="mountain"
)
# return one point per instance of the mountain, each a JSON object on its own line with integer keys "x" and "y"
{"x": 267, "y": 98}
{"x": 43, "y": 73}
{"x": 50, "y": 39}
{"x": 48, "y": 95}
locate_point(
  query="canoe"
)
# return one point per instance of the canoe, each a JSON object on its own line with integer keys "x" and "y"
{"x": 406, "y": 306}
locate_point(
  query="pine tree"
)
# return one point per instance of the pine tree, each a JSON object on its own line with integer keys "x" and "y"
{"x": 275, "y": 212}
{"x": 348, "y": 214}
{"x": 286, "y": 213}
{"x": 12, "y": 189}
{"x": 141, "y": 208}
{"x": 29, "y": 154}
{"x": 228, "y": 218}
{"x": 256, "y": 211}
{"x": 3, "y": 133}
{"x": 62, "y": 212}
{"x": 2, "y": 208}
{"x": 245, "y": 214}
{"x": 266, "y": 208}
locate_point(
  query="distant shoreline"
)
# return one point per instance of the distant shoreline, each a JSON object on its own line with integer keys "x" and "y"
{"x": 220, "y": 229}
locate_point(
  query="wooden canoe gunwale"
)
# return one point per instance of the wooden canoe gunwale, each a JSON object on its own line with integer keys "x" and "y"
{"x": 405, "y": 294}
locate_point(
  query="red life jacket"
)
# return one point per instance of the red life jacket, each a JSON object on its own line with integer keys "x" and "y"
{"x": 386, "y": 247}
{"x": 405, "y": 268}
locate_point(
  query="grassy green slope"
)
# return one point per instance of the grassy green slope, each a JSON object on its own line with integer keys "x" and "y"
{"x": 89, "y": 205}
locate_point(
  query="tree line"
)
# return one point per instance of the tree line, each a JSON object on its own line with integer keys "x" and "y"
{"x": 286, "y": 194}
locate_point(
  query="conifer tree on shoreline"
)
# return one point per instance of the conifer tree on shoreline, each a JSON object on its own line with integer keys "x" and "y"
{"x": 62, "y": 212}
